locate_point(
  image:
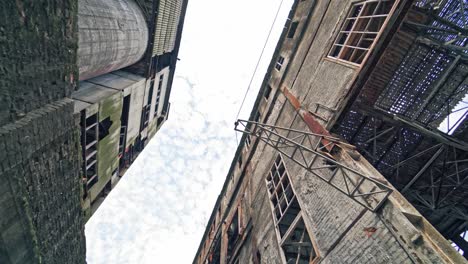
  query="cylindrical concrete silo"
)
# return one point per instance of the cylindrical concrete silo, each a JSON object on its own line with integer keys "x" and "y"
{"x": 112, "y": 34}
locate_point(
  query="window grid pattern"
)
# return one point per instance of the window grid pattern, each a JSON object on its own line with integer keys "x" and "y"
{"x": 361, "y": 28}
{"x": 90, "y": 136}
{"x": 158, "y": 94}
{"x": 294, "y": 238}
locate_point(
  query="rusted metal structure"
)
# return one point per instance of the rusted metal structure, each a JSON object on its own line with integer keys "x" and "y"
{"x": 361, "y": 119}
{"x": 407, "y": 113}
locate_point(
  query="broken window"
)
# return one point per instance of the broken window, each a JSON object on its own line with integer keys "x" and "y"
{"x": 292, "y": 29}
{"x": 294, "y": 238}
{"x": 279, "y": 63}
{"x": 104, "y": 127}
{"x": 233, "y": 233}
{"x": 360, "y": 30}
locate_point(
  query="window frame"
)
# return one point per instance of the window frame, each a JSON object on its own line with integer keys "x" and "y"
{"x": 299, "y": 217}
{"x": 279, "y": 63}
{"x": 158, "y": 94}
{"x": 293, "y": 26}
{"x": 341, "y": 30}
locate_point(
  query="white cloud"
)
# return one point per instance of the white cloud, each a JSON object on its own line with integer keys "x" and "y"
{"x": 158, "y": 211}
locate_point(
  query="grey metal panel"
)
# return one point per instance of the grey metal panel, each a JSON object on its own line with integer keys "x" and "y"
{"x": 113, "y": 81}
{"x": 92, "y": 93}
{"x": 166, "y": 26}
{"x": 112, "y": 34}
{"x": 80, "y": 105}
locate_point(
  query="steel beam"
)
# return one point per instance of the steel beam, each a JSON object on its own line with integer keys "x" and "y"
{"x": 363, "y": 189}
{"x": 401, "y": 121}
{"x": 423, "y": 169}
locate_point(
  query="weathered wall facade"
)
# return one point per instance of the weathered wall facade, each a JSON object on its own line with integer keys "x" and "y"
{"x": 40, "y": 214}
{"x": 53, "y": 146}
{"x": 303, "y": 90}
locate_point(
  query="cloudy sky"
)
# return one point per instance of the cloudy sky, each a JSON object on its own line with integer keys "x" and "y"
{"x": 158, "y": 211}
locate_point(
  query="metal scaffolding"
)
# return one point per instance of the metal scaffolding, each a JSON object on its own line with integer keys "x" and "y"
{"x": 309, "y": 150}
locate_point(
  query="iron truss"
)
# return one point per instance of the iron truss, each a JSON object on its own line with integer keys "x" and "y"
{"x": 448, "y": 27}
{"x": 309, "y": 151}
{"x": 431, "y": 174}
{"x": 441, "y": 178}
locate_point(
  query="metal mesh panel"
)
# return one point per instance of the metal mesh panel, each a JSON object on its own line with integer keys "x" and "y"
{"x": 415, "y": 76}
{"x": 167, "y": 22}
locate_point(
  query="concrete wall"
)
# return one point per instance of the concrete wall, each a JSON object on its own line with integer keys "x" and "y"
{"x": 108, "y": 103}
{"x": 38, "y": 47}
{"x": 41, "y": 219}
{"x": 40, "y": 214}
{"x": 336, "y": 224}
{"x": 127, "y": 84}
{"x": 112, "y": 34}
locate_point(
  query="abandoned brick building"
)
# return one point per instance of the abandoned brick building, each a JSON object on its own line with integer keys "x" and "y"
{"x": 84, "y": 86}
{"x": 356, "y": 148}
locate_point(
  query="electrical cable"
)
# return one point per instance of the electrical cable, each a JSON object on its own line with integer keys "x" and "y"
{"x": 258, "y": 63}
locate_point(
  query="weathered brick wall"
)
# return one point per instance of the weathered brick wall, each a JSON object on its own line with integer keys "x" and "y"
{"x": 40, "y": 184}
{"x": 342, "y": 230}
{"x": 40, "y": 213}
{"x": 38, "y": 43}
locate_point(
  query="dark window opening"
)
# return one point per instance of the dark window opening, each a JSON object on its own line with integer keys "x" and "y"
{"x": 160, "y": 121}
{"x": 248, "y": 141}
{"x": 158, "y": 94}
{"x": 150, "y": 95}
{"x": 292, "y": 29}
{"x": 145, "y": 116}
{"x": 233, "y": 234}
{"x": 258, "y": 257}
{"x": 267, "y": 92}
{"x": 279, "y": 63}
{"x": 104, "y": 127}
{"x": 240, "y": 161}
{"x": 297, "y": 246}
{"x": 460, "y": 243}
{"x": 257, "y": 117}
{"x": 124, "y": 124}
{"x": 214, "y": 257}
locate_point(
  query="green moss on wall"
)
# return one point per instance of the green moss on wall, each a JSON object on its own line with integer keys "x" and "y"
{"x": 108, "y": 148}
